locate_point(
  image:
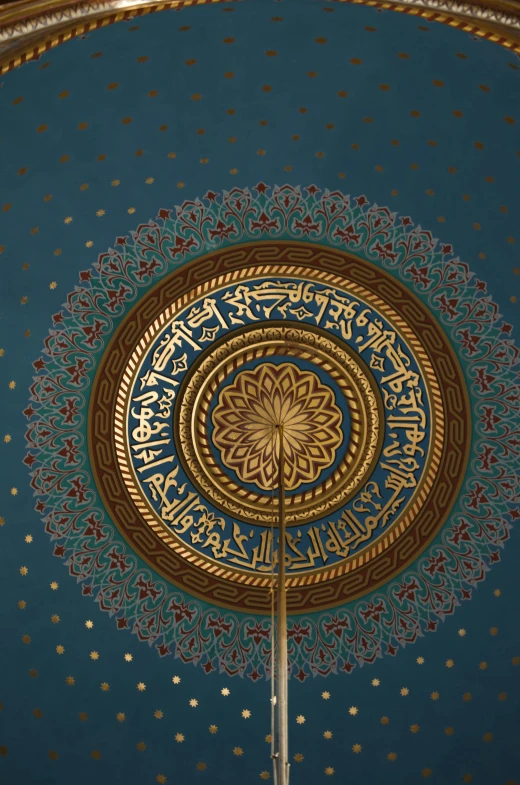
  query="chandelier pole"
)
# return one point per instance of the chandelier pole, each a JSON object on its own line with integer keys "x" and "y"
{"x": 281, "y": 636}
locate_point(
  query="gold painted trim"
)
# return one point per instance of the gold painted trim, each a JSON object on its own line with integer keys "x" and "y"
{"x": 396, "y": 529}
{"x": 303, "y": 599}
{"x": 29, "y": 29}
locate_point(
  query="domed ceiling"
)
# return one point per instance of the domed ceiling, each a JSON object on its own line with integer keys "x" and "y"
{"x": 214, "y": 219}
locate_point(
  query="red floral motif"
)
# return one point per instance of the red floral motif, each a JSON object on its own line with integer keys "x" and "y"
{"x": 361, "y": 631}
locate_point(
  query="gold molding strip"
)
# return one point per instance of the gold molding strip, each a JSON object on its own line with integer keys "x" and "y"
{"x": 32, "y": 27}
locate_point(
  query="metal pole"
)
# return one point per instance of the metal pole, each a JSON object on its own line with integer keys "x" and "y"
{"x": 281, "y": 654}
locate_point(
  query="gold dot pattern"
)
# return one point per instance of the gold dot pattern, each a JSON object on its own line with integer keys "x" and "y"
{"x": 169, "y": 135}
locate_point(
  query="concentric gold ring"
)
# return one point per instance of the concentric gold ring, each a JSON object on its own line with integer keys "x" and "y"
{"x": 279, "y": 339}
{"x": 204, "y": 575}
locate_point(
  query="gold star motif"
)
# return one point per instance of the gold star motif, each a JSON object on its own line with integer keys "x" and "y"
{"x": 23, "y": 570}
{"x": 71, "y": 681}
{"x": 94, "y": 655}
{"x": 356, "y": 748}
{"x": 449, "y": 731}
{"x": 131, "y": 210}
{"x": 353, "y": 711}
{"x": 420, "y": 660}
{"x": 225, "y": 691}
{"x": 180, "y": 185}
{"x": 115, "y": 183}
{"x": 179, "y": 738}
{"x": 22, "y": 604}
{"x": 384, "y": 720}
{"x": 515, "y": 661}
{"x": 26, "y": 639}
{"x": 161, "y": 779}
{"x": 141, "y": 746}
{"x": 467, "y": 697}
{"x": 201, "y": 766}
{"x": 246, "y": 714}
{"x": 55, "y": 619}
{"x": 435, "y": 696}
{"x": 105, "y": 686}
{"x": 375, "y": 682}
{"x": 54, "y": 585}
{"x": 238, "y": 751}
{"x": 89, "y": 624}
{"x": 172, "y": 155}
{"x": 28, "y": 538}
{"x": 7, "y": 438}
{"x": 497, "y": 592}
{"x": 128, "y": 658}
{"x": 83, "y": 187}
{"x": 404, "y": 691}
{"x": 12, "y": 385}
{"x": 60, "y": 649}
{"x": 24, "y": 300}
{"x": 150, "y": 180}
{"x": 325, "y": 696}
{"x": 141, "y": 686}
{"x": 2, "y": 520}
{"x": 327, "y": 734}
{"x": 449, "y": 663}
{"x": 158, "y": 714}
{"x": 264, "y": 775}
{"x": 120, "y": 716}
{"x": 194, "y": 703}
{"x": 176, "y": 679}
{"x": 329, "y": 771}
{"x": 89, "y": 243}
{"x": 426, "y": 772}
{"x": 14, "y": 491}
{"x": 493, "y": 631}
{"x": 415, "y": 728}
{"x": 100, "y": 213}
{"x": 462, "y": 632}
{"x": 298, "y": 757}
{"x": 53, "y": 285}
{"x": 300, "y": 719}
{"x": 213, "y": 729}
{"x": 68, "y": 219}
{"x": 233, "y": 171}
{"x": 392, "y": 756}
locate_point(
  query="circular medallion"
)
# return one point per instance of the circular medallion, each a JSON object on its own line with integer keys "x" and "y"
{"x": 416, "y": 309}
{"x": 227, "y": 349}
{"x": 277, "y": 408}
{"x": 339, "y": 413}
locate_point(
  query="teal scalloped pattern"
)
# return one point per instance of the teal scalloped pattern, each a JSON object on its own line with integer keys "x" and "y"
{"x": 89, "y": 544}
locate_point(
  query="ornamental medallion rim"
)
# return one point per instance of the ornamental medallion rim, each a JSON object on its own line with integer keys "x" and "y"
{"x": 131, "y": 328}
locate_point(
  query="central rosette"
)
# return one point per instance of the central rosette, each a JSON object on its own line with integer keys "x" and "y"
{"x": 248, "y": 417}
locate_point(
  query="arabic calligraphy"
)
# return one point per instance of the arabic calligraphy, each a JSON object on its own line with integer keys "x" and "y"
{"x": 202, "y": 498}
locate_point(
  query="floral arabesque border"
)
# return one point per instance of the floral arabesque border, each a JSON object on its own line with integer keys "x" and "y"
{"x": 143, "y": 602}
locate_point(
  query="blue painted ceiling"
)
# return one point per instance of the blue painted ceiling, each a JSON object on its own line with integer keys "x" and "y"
{"x": 97, "y": 136}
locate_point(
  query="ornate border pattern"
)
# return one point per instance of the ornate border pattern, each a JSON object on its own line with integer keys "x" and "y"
{"x": 359, "y": 389}
{"x": 27, "y": 37}
{"x": 88, "y": 543}
{"x": 401, "y": 542}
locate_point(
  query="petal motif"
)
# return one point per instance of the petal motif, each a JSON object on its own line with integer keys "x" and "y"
{"x": 248, "y": 414}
